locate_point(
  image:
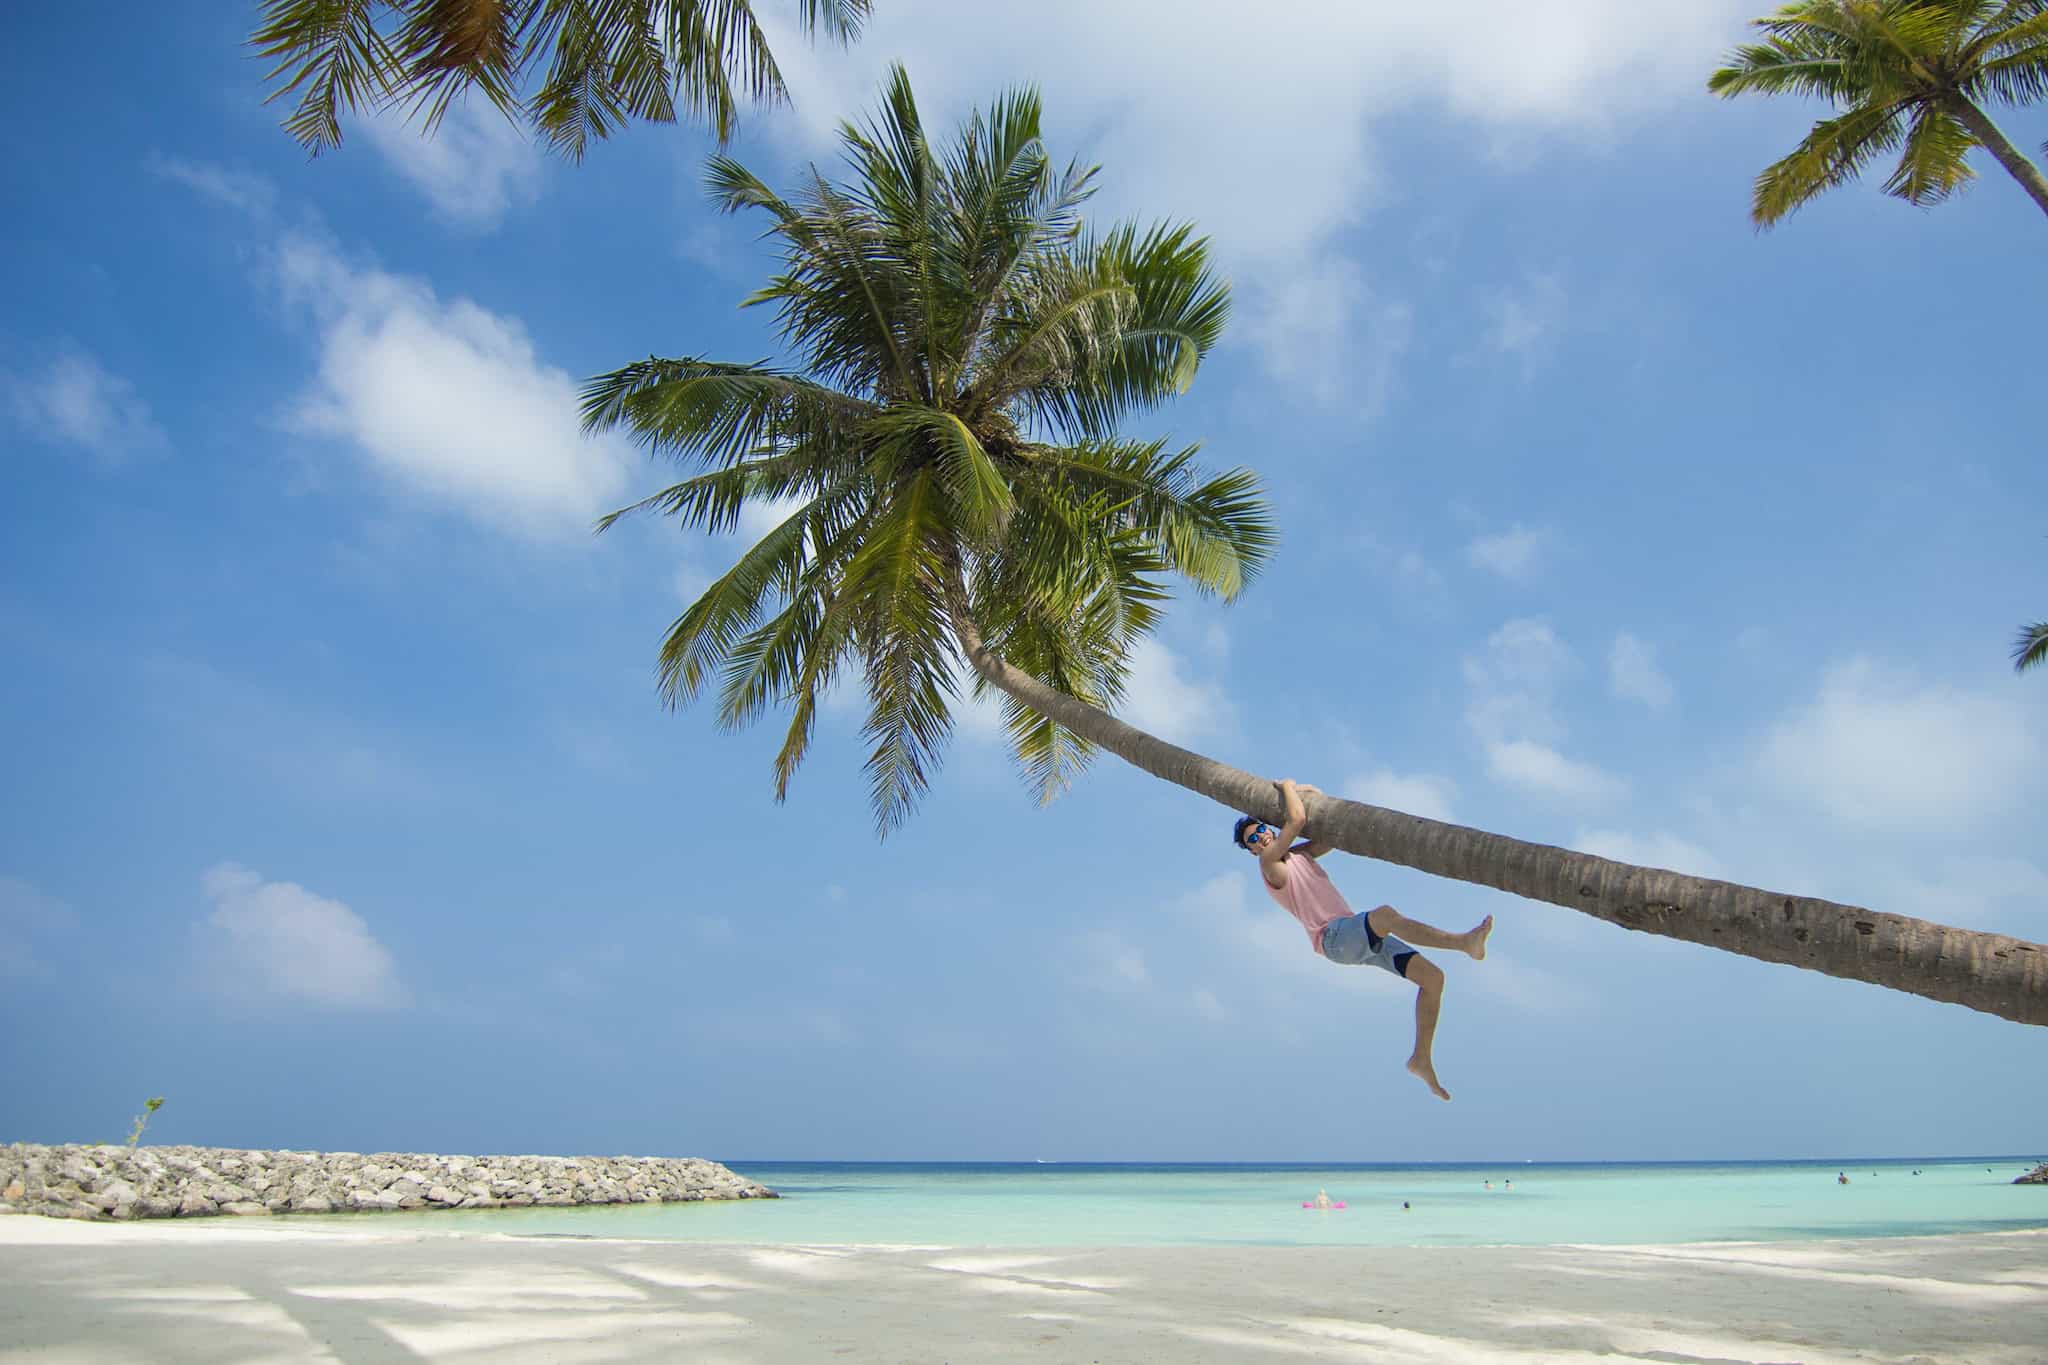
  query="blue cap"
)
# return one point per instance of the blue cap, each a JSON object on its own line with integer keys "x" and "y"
{"x": 1237, "y": 830}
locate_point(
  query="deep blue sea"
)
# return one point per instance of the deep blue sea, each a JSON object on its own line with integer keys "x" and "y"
{"x": 1464, "y": 1204}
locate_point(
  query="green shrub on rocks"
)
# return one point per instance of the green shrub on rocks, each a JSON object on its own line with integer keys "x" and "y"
{"x": 149, "y": 1108}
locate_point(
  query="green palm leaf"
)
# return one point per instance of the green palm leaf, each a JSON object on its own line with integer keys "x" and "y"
{"x": 607, "y": 61}
{"x": 2030, "y": 649}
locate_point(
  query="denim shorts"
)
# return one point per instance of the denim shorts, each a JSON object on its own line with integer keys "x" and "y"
{"x": 1352, "y": 942}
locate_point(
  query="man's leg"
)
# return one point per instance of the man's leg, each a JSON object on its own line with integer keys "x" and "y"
{"x": 1387, "y": 920}
{"x": 1429, "y": 998}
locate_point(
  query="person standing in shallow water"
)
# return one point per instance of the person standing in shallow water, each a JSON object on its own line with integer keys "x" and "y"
{"x": 1380, "y": 937}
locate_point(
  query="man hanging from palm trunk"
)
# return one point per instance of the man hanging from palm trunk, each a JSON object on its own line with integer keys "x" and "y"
{"x": 1295, "y": 879}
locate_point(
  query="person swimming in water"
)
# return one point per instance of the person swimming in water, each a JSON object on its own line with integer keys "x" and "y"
{"x": 1381, "y": 937}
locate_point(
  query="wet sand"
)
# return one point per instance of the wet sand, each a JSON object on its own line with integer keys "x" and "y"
{"x": 263, "y": 1289}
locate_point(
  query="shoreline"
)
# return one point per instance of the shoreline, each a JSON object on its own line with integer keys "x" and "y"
{"x": 198, "y": 1291}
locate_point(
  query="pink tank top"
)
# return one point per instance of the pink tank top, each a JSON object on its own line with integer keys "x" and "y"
{"x": 1309, "y": 896}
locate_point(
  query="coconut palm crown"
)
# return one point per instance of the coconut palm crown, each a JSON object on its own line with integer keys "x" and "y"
{"x": 945, "y": 458}
{"x": 606, "y": 61}
{"x": 1910, "y": 76}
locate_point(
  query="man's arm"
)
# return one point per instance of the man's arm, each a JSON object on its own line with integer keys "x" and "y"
{"x": 1274, "y": 856}
{"x": 1314, "y": 848}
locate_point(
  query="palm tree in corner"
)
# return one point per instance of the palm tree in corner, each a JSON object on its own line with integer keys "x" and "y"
{"x": 606, "y": 61}
{"x": 1909, "y": 76}
{"x": 954, "y": 489}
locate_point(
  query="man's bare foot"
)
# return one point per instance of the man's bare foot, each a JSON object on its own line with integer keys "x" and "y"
{"x": 1475, "y": 940}
{"x": 1426, "y": 1073}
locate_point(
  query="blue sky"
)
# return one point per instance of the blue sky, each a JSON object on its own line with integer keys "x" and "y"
{"x": 340, "y": 807}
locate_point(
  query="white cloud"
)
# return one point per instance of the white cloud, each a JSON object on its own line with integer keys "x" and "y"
{"x": 1227, "y": 913}
{"x": 28, "y": 921}
{"x": 691, "y": 581}
{"x": 1512, "y": 554}
{"x": 279, "y": 939}
{"x": 1667, "y": 851}
{"x": 1524, "y": 321}
{"x": 449, "y": 400}
{"x": 1633, "y": 673}
{"x": 1321, "y": 328}
{"x": 2002, "y": 893}
{"x": 1512, "y": 684}
{"x": 1539, "y": 768}
{"x": 1105, "y": 960}
{"x": 75, "y": 401}
{"x": 1422, "y": 794}
{"x": 1162, "y": 700}
{"x": 1323, "y": 71}
{"x": 239, "y": 190}
{"x": 1415, "y": 581}
{"x": 475, "y": 167}
{"x": 1878, "y": 751}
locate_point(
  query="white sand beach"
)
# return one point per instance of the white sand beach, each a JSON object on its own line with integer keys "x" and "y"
{"x": 262, "y": 1290}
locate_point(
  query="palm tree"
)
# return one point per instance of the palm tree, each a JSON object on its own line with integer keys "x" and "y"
{"x": 2031, "y": 648}
{"x": 1910, "y": 76}
{"x": 954, "y": 489}
{"x": 607, "y": 60}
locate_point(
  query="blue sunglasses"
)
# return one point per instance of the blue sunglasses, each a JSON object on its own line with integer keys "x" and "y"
{"x": 1256, "y": 831}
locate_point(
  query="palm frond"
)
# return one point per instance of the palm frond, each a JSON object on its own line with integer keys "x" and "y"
{"x": 898, "y": 576}
{"x": 1933, "y": 164}
{"x": 1832, "y": 154}
{"x": 1214, "y": 531}
{"x": 1176, "y": 315}
{"x": 447, "y": 48}
{"x": 716, "y": 412}
{"x": 335, "y": 52}
{"x": 1780, "y": 67}
{"x": 606, "y": 62}
{"x": 2030, "y": 648}
{"x": 706, "y": 633}
{"x": 2018, "y": 75}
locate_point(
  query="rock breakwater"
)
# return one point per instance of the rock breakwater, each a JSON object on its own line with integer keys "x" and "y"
{"x": 184, "y": 1182}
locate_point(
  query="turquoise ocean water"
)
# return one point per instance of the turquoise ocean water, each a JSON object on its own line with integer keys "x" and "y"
{"x": 1075, "y": 1204}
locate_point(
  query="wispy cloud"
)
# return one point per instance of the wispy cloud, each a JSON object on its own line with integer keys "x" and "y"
{"x": 76, "y": 401}
{"x": 29, "y": 922}
{"x": 1423, "y": 794}
{"x": 475, "y": 168}
{"x": 1663, "y": 850}
{"x": 1524, "y": 320}
{"x": 279, "y": 940}
{"x": 1877, "y": 750}
{"x": 1511, "y": 684}
{"x": 1633, "y": 673}
{"x": 1511, "y": 710}
{"x": 1163, "y": 698}
{"x": 239, "y": 190}
{"x": 1539, "y": 768}
{"x": 1513, "y": 553}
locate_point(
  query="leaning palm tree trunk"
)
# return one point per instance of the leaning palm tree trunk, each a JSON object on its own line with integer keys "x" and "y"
{"x": 1995, "y": 141}
{"x": 1988, "y": 972}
